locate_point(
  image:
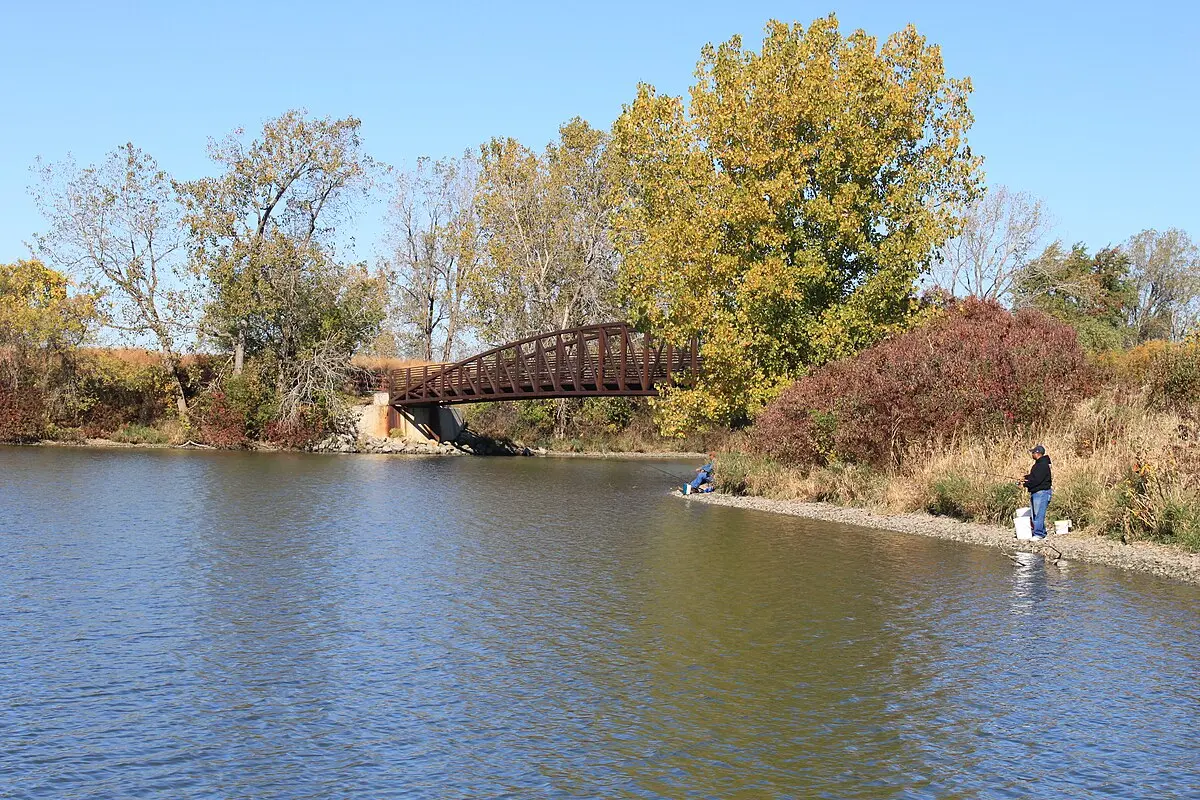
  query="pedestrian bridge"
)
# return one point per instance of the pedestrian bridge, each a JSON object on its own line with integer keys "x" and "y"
{"x": 606, "y": 360}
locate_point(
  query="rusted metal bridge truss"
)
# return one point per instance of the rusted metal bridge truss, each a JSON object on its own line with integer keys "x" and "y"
{"x": 607, "y": 360}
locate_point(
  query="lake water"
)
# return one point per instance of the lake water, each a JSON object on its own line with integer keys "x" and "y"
{"x": 239, "y": 625}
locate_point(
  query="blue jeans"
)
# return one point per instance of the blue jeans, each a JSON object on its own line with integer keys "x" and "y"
{"x": 701, "y": 478}
{"x": 1038, "y": 501}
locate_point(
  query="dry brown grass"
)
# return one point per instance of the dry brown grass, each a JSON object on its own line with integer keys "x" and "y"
{"x": 381, "y": 363}
{"x": 1120, "y": 468}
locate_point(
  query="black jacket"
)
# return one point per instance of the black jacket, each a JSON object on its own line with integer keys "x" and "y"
{"x": 1039, "y": 476}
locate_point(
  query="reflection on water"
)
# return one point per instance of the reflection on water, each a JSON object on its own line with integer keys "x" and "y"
{"x": 187, "y": 625}
{"x": 1029, "y": 586}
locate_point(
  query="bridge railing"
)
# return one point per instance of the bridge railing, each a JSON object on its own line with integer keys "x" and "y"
{"x": 608, "y": 359}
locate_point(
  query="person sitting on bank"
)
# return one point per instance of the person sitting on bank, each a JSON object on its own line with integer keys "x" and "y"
{"x": 703, "y": 476}
{"x": 1038, "y": 482}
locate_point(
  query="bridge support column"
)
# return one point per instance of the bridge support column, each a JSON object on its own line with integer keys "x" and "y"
{"x": 376, "y": 418}
{"x": 432, "y": 423}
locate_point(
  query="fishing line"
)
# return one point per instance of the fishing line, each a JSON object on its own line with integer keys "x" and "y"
{"x": 992, "y": 474}
{"x": 671, "y": 474}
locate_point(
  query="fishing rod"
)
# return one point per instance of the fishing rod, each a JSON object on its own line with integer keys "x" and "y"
{"x": 671, "y": 474}
{"x": 993, "y": 474}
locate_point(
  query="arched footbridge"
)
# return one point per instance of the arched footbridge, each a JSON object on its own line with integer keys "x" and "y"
{"x": 611, "y": 359}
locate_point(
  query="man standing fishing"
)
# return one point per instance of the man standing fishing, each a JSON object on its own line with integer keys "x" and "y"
{"x": 1038, "y": 482}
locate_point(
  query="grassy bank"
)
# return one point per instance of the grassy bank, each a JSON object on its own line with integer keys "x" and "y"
{"x": 1122, "y": 468}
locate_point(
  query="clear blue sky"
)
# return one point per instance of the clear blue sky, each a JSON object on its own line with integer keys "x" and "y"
{"x": 1091, "y": 106}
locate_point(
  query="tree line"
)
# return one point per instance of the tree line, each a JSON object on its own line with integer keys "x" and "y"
{"x": 1145, "y": 288}
{"x": 807, "y": 200}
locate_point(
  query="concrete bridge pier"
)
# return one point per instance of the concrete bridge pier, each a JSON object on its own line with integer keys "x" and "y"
{"x": 434, "y": 423}
{"x": 416, "y": 423}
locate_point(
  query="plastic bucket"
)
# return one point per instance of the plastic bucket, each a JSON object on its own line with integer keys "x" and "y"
{"x": 1062, "y": 526}
{"x": 1023, "y": 525}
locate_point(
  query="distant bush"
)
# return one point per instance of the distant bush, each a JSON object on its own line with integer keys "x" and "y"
{"x": 613, "y": 424}
{"x": 1169, "y": 372}
{"x": 975, "y": 368}
{"x": 1174, "y": 380}
{"x": 58, "y": 433}
{"x": 114, "y": 389}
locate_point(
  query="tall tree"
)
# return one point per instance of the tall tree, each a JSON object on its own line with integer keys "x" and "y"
{"x": 1165, "y": 269}
{"x": 262, "y": 234}
{"x": 545, "y": 221}
{"x": 435, "y": 254}
{"x": 1091, "y": 293}
{"x": 784, "y": 214}
{"x": 118, "y": 225}
{"x": 1000, "y": 232}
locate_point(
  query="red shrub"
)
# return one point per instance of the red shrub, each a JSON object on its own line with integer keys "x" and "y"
{"x": 22, "y": 415}
{"x": 976, "y": 367}
{"x": 310, "y": 428}
{"x": 220, "y": 423}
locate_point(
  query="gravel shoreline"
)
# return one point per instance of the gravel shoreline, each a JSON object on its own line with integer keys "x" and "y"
{"x": 1163, "y": 560}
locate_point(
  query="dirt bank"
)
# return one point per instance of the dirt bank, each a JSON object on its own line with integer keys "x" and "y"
{"x": 1165, "y": 560}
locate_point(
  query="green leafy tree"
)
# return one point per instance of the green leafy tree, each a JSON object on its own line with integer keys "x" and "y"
{"x": 262, "y": 235}
{"x": 1092, "y": 293}
{"x": 784, "y": 214}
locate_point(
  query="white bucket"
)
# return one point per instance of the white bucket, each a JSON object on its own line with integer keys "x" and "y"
{"x": 1062, "y": 526}
{"x": 1023, "y": 524}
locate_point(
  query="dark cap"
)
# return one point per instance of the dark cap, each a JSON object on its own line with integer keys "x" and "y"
{"x": 1037, "y": 448}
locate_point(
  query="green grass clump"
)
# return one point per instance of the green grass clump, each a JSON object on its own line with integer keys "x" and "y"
{"x": 953, "y": 496}
{"x": 139, "y": 434}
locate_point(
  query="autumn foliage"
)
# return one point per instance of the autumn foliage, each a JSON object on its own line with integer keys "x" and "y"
{"x": 21, "y": 414}
{"x": 978, "y": 367}
{"x": 784, "y": 210}
{"x": 221, "y": 422}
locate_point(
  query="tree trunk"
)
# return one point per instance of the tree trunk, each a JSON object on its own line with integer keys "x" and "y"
{"x": 239, "y": 351}
{"x": 181, "y": 404}
{"x": 560, "y": 418}
{"x": 171, "y": 364}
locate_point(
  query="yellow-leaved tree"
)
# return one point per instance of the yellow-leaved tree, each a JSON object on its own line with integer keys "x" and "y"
{"x": 784, "y": 214}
